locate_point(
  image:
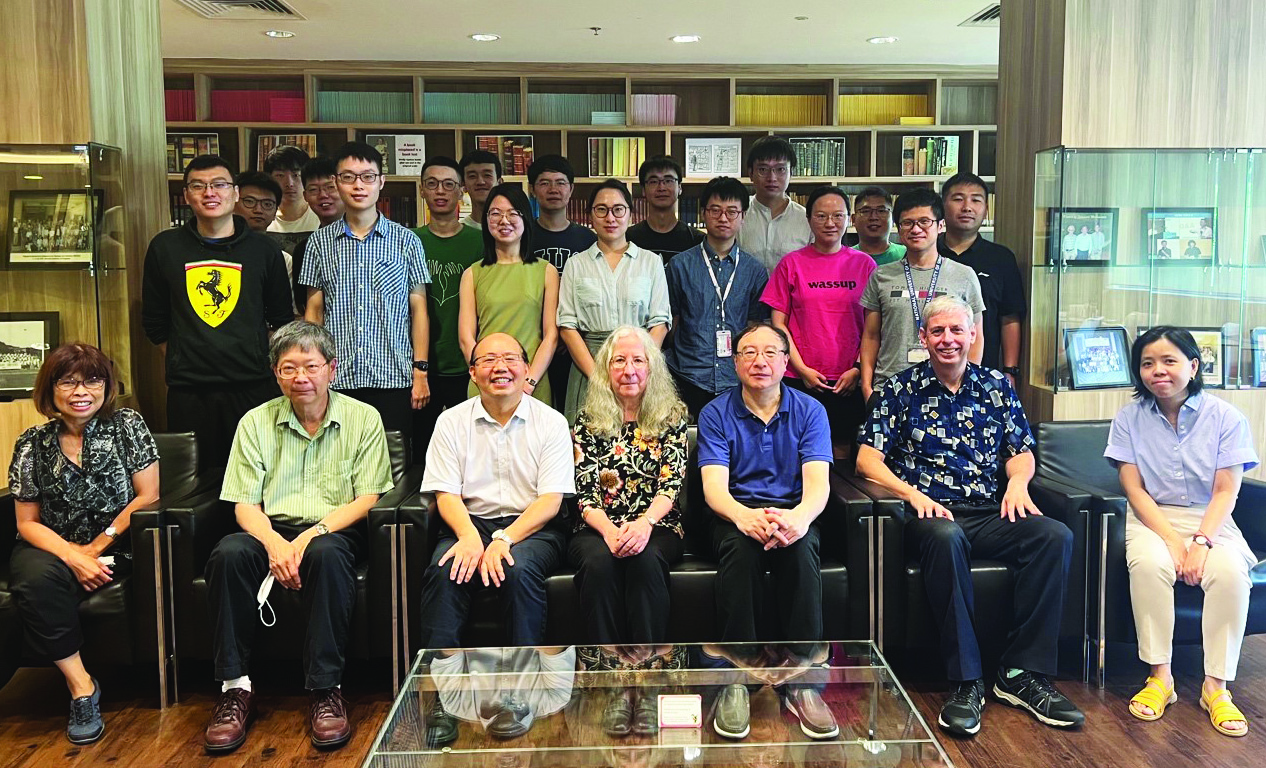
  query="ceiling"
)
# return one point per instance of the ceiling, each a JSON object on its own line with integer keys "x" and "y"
{"x": 732, "y": 31}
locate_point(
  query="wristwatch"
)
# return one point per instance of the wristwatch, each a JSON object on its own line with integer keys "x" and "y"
{"x": 1014, "y": 370}
{"x": 112, "y": 532}
{"x": 530, "y": 380}
{"x": 421, "y": 365}
{"x": 1200, "y": 538}
{"x": 500, "y": 535}
{"x": 322, "y": 529}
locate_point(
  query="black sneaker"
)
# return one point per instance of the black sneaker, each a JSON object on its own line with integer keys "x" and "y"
{"x": 961, "y": 714}
{"x": 1035, "y": 693}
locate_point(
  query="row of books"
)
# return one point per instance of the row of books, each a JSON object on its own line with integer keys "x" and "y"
{"x": 881, "y": 108}
{"x": 258, "y": 106}
{"x": 180, "y": 105}
{"x": 819, "y": 157}
{"x": 183, "y": 147}
{"x": 485, "y": 108}
{"x": 653, "y": 109}
{"x": 929, "y": 155}
{"x": 616, "y": 155}
{"x": 364, "y": 107}
{"x": 515, "y": 152}
{"x": 571, "y": 108}
{"x": 750, "y": 109}
{"x": 402, "y": 209}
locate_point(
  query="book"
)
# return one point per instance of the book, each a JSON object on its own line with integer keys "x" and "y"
{"x": 183, "y": 147}
{"x": 179, "y": 104}
{"x": 653, "y": 109}
{"x": 916, "y": 121}
{"x": 402, "y": 154}
{"x": 616, "y": 155}
{"x": 706, "y": 158}
{"x": 819, "y": 156}
{"x": 880, "y": 108}
{"x": 763, "y": 109}
{"x": 248, "y": 106}
{"x": 268, "y": 142}
{"x": 571, "y": 108}
{"x": 929, "y": 155}
{"x": 514, "y": 151}
{"x": 364, "y": 107}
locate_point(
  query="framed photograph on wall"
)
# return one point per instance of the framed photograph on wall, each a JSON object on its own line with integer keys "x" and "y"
{"x": 1098, "y": 358}
{"x": 1209, "y": 341}
{"x": 1082, "y": 236}
{"x": 1180, "y": 235}
{"x": 51, "y": 228}
{"x": 25, "y": 340}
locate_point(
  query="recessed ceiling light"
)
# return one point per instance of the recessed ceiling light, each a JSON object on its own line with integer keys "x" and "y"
{"x": 684, "y": 38}
{"x": 485, "y": 37}
{"x": 881, "y": 40}
{"x": 33, "y": 177}
{"x": 802, "y": 18}
{"x": 279, "y": 33}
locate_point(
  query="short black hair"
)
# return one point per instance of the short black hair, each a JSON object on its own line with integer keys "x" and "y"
{"x": 206, "y": 162}
{"x": 771, "y": 148}
{"x": 869, "y": 192}
{"x": 822, "y": 192}
{"x": 514, "y": 194}
{"x": 1179, "y": 337}
{"x": 479, "y": 157}
{"x": 756, "y": 326}
{"x": 358, "y": 150}
{"x": 918, "y": 198}
{"x": 554, "y": 163}
{"x": 260, "y": 180}
{"x": 441, "y": 161}
{"x": 658, "y": 163}
{"x": 724, "y": 189}
{"x": 615, "y": 184}
{"x": 961, "y": 179}
{"x": 286, "y": 158}
{"x": 319, "y": 167}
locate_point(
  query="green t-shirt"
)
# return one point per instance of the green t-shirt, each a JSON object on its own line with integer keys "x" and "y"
{"x": 895, "y": 252}
{"x": 446, "y": 259}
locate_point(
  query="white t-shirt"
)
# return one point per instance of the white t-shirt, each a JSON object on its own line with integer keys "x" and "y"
{"x": 308, "y": 222}
{"x": 468, "y": 221}
{"x": 769, "y": 238}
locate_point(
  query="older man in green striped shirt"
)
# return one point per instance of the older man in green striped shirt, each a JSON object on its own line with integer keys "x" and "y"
{"x": 304, "y": 470}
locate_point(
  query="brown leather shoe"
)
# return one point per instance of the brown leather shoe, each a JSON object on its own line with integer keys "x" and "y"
{"x": 229, "y": 721}
{"x": 330, "y": 727}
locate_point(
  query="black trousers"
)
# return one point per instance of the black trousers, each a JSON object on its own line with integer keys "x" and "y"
{"x": 693, "y": 396}
{"x": 1039, "y": 547}
{"x": 395, "y": 406}
{"x": 48, "y": 595}
{"x": 559, "y": 372}
{"x": 844, "y": 412}
{"x": 446, "y": 392}
{"x": 624, "y": 599}
{"x": 445, "y": 603}
{"x": 212, "y": 414}
{"x": 740, "y": 586}
{"x": 237, "y": 567}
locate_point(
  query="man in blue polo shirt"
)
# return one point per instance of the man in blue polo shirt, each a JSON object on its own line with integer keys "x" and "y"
{"x": 765, "y": 457}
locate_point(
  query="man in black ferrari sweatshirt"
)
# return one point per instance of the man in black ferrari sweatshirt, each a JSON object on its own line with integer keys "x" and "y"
{"x": 212, "y": 291}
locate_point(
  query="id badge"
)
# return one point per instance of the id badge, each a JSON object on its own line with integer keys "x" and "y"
{"x": 723, "y": 343}
{"x": 917, "y": 355}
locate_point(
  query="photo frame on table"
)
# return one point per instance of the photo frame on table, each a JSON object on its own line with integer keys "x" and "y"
{"x": 1175, "y": 236}
{"x": 1082, "y": 236}
{"x": 1257, "y": 337}
{"x": 1209, "y": 342}
{"x": 26, "y": 338}
{"x": 1098, "y": 358}
{"x": 52, "y": 228}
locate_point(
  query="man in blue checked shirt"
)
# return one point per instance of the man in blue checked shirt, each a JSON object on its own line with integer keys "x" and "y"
{"x": 367, "y": 280}
{"x": 935, "y": 437}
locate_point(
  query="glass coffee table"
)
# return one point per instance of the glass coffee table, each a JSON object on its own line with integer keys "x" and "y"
{"x": 545, "y": 707}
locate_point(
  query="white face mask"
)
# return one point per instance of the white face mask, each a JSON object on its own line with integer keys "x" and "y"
{"x": 262, "y": 598}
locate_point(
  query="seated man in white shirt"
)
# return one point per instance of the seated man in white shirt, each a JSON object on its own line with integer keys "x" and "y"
{"x": 499, "y": 465}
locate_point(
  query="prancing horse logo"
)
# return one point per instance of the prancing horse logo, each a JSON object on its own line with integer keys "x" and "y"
{"x": 213, "y": 287}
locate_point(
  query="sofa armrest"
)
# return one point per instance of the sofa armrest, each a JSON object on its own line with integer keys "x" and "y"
{"x": 8, "y": 526}
{"x": 1250, "y": 513}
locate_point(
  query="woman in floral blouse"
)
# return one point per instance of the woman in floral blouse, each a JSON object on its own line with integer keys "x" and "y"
{"x": 631, "y": 450}
{"x": 76, "y": 481}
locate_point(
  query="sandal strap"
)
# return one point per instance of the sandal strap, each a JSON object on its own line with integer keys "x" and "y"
{"x": 1154, "y": 695}
{"x": 1222, "y": 709}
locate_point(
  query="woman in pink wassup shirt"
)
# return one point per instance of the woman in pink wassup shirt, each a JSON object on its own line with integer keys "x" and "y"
{"x": 814, "y": 294}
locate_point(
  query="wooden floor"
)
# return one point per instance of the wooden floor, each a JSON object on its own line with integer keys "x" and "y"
{"x": 33, "y": 716}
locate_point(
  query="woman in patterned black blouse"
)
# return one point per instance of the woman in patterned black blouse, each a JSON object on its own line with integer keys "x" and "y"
{"x": 630, "y": 458}
{"x": 76, "y": 481}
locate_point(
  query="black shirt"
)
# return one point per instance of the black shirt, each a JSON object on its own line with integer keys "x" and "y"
{"x": 666, "y": 244}
{"x": 558, "y": 247}
{"x": 1000, "y": 287}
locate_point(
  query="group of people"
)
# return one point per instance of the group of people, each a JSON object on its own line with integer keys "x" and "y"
{"x": 783, "y": 344}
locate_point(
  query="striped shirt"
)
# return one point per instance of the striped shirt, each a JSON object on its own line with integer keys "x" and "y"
{"x": 366, "y": 286}
{"x": 300, "y": 478}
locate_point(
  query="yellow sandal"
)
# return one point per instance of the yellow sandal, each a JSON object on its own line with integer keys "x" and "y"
{"x": 1156, "y": 696}
{"x": 1221, "y": 710}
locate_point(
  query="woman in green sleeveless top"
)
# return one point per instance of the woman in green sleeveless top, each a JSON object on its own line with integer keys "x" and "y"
{"x": 510, "y": 290}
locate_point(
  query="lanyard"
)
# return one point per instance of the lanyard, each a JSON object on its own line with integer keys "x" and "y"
{"x": 914, "y": 301}
{"x": 717, "y": 286}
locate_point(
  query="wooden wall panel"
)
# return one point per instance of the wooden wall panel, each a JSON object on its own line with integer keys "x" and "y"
{"x": 42, "y": 83}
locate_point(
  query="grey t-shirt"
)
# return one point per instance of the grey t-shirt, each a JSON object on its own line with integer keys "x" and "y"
{"x": 888, "y": 294}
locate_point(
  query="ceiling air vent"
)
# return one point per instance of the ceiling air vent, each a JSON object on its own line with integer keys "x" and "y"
{"x": 241, "y": 10}
{"x": 987, "y": 17}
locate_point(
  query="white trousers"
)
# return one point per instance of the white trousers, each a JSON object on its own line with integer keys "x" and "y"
{"x": 1225, "y": 583}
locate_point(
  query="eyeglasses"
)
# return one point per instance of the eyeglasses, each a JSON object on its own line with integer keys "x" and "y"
{"x": 491, "y": 359}
{"x": 777, "y": 171}
{"x": 658, "y": 181}
{"x": 867, "y": 212}
{"x": 718, "y": 212}
{"x": 601, "y": 211}
{"x": 620, "y": 361}
{"x": 199, "y": 187}
{"x": 448, "y": 185}
{"x": 262, "y": 204}
{"x": 94, "y": 383}
{"x": 905, "y": 225}
{"x": 552, "y": 183}
{"x": 750, "y": 354}
{"x": 291, "y": 371}
{"x": 347, "y": 177}
{"x": 511, "y": 215}
{"x": 822, "y": 218}
{"x": 320, "y": 189}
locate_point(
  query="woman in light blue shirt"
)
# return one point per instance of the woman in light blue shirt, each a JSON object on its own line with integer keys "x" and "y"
{"x": 1181, "y": 455}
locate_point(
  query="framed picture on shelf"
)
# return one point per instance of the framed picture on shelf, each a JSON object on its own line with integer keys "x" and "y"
{"x": 25, "y": 340}
{"x": 402, "y": 154}
{"x": 1209, "y": 342}
{"x": 1180, "y": 235}
{"x": 51, "y": 228}
{"x": 1098, "y": 358}
{"x": 708, "y": 158}
{"x": 1257, "y": 337}
{"x": 1082, "y": 236}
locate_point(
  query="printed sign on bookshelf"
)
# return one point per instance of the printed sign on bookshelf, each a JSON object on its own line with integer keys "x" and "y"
{"x": 515, "y": 152}
{"x": 402, "y": 154}
{"x": 706, "y": 158}
{"x": 183, "y": 147}
{"x": 929, "y": 155}
{"x": 270, "y": 141}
